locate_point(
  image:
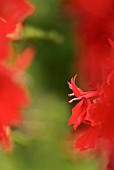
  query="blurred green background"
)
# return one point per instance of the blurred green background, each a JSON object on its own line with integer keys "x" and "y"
{"x": 41, "y": 143}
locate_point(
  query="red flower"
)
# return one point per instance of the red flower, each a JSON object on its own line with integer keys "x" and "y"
{"x": 95, "y": 28}
{"x": 79, "y": 112}
{"x": 98, "y": 113}
{"x": 101, "y": 110}
{"x": 96, "y": 33}
{"x": 80, "y": 115}
{"x": 13, "y": 96}
{"x": 12, "y": 14}
{"x": 99, "y": 8}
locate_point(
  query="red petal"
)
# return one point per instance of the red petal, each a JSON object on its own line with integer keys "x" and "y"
{"x": 89, "y": 139}
{"x": 16, "y": 10}
{"x": 25, "y": 59}
{"x": 78, "y": 113}
{"x": 97, "y": 7}
{"x": 77, "y": 91}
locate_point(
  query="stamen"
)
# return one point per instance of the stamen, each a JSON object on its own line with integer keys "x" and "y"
{"x": 72, "y": 94}
{"x": 72, "y": 100}
{"x": 75, "y": 99}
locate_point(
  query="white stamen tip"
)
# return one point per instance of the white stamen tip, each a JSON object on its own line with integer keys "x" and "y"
{"x": 72, "y": 100}
{"x": 72, "y": 94}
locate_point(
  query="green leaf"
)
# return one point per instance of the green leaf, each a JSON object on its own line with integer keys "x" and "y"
{"x": 38, "y": 33}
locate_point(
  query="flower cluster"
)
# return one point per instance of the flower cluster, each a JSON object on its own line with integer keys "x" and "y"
{"x": 13, "y": 93}
{"x": 95, "y": 107}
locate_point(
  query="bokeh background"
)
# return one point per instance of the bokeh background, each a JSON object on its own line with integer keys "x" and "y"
{"x": 43, "y": 142}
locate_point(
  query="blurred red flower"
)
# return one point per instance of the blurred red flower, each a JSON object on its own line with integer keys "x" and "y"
{"x": 101, "y": 8}
{"x": 96, "y": 34}
{"x": 12, "y": 14}
{"x": 13, "y": 95}
{"x": 95, "y": 27}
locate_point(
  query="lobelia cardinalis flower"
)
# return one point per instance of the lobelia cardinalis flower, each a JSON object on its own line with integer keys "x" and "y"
{"x": 13, "y": 93}
{"x": 95, "y": 27}
{"x": 95, "y": 108}
{"x": 12, "y": 15}
{"x": 98, "y": 113}
{"x": 96, "y": 34}
{"x": 13, "y": 96}
{"x": 80, "y": 110}
{"x": 97, "y": 51}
